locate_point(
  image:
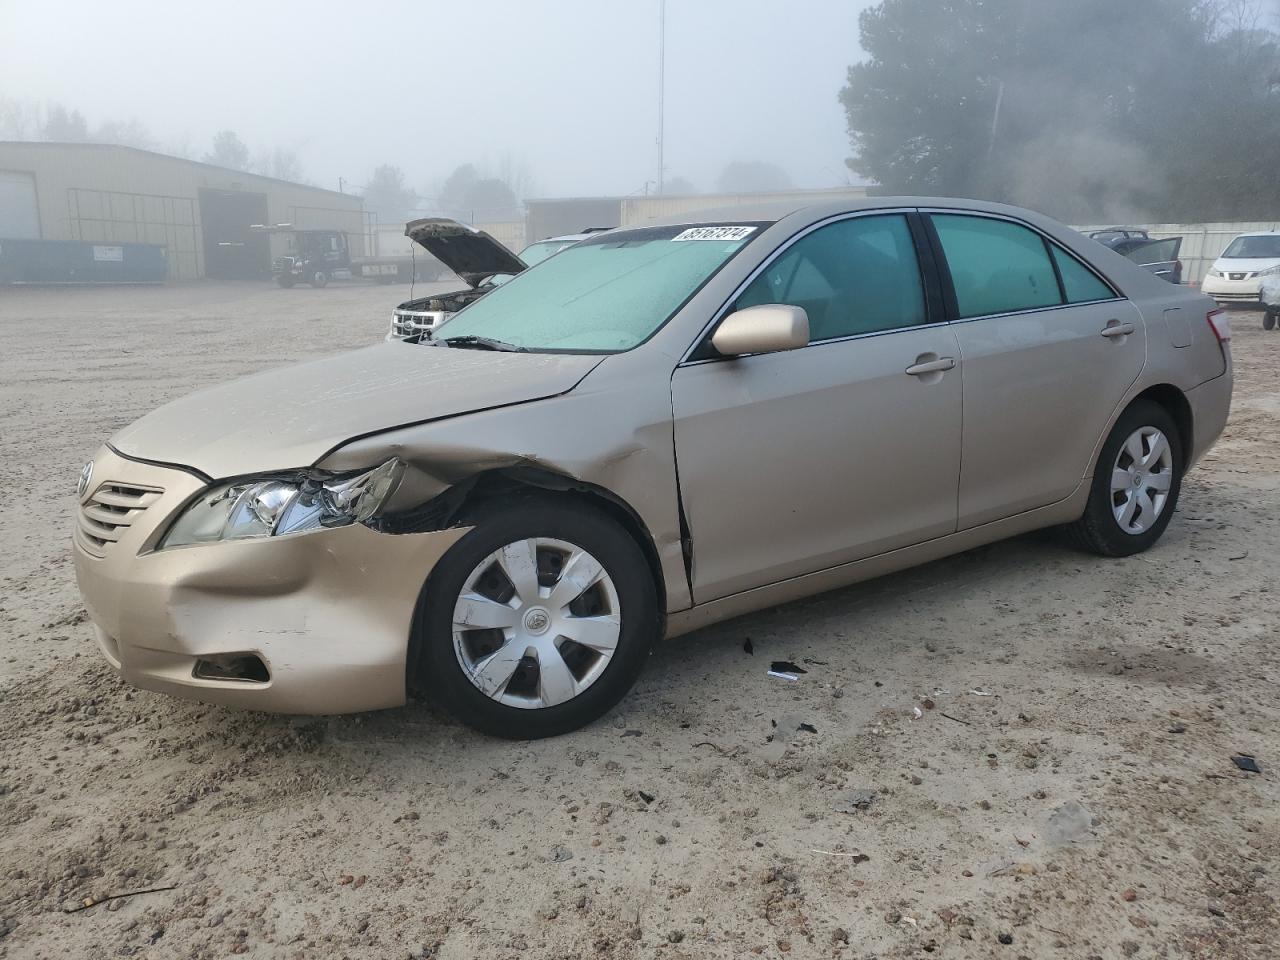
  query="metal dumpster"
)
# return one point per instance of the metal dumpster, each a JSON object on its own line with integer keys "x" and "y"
{"x": 77, "y": 261}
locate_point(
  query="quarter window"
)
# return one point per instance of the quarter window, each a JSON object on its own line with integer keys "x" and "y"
{"x": 1079, "y": 283}
{"x": 853, "y": 276}
{"x": 996, "y": 266}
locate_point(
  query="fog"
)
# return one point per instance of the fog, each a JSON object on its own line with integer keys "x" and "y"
{"x": 567, "y": 91}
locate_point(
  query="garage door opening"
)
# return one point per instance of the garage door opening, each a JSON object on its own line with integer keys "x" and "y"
{"x": 19, "y": 214}
{"x": 231, "y": 250}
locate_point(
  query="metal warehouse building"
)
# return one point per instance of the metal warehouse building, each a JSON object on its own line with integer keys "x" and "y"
{"x": 108, "y": 197}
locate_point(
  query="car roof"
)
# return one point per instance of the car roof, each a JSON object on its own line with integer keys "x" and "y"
{"x": 568, "y": 237}
{"x": 775, "y": 211}
{"x": 1260, "y": 233}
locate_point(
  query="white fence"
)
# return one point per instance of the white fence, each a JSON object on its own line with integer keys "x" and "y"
{"x": 1202, "y": 243}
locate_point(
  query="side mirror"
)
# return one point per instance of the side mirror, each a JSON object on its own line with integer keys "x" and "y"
{"x": 768, "y": 328}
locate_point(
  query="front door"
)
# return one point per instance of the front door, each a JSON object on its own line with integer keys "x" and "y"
{"x": 794, "y": 462}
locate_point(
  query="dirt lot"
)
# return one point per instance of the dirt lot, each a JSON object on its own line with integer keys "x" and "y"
{"x": 1069, "y": 794}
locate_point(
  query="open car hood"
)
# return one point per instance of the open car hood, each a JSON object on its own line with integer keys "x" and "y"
{"x": 470, "y": 253}
{"x": 292, "y": 416}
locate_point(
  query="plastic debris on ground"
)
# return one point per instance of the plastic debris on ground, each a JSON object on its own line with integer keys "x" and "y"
{"x": 785, "y": 670}
{"x": 1246, "y": 763}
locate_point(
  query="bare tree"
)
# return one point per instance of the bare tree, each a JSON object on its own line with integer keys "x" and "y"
{"x": 752, "y": 176}
{"x": 63, "y": 125}
{"x": 280, "y": 163}
{"x": 388, "y": 195}
{"x": 129, "y": 133}
{"x": 228, "y": 151}
{"x": 19, "y": 120}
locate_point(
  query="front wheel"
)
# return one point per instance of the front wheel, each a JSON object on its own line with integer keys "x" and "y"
{"x": 1135, "y": 485}
{"x": 284, "y": 281}
{"x": 537, "y": 622}
{"x": 1269, "y": 320}
{"x": 319, "y": 279}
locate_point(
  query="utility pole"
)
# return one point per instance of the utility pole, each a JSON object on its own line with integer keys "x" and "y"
{"x": 662, "y": 86}
{"x": 340, "y": 190}
{"x": 995, "y": 119}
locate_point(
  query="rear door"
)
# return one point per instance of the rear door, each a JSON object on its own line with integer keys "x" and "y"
{"x": 1049, "y": 350}
{"x": 798, "y": 461}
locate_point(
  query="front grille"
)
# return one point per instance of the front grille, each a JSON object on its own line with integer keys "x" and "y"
{"x": 406, "y": 324}
{"x": 112, "y": 509}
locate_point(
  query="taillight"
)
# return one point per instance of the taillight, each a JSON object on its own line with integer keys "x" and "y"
{"x": 1220, "y": 324}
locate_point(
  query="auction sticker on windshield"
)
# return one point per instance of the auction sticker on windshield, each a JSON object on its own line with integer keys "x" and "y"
{"x": 715, "y": 233}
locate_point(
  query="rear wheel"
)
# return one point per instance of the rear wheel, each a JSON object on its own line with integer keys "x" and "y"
{"x": 284, "y": 281}
{"x": 1135, "y": 486}
{"x": 536, "y": 622}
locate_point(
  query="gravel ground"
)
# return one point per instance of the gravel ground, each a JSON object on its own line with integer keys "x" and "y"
{"x": 1066, "y": 790}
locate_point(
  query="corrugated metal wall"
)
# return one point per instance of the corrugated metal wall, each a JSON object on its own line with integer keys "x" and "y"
{"x": 508, "y": 233}
{"x": 139, "y": 218}
{"x": 1202, "y": 243}
{"x": 106, "y": 192}
{"x": 548, "y": 218}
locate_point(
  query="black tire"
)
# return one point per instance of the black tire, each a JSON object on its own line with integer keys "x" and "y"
{"x": 1269, "y": 320}
{"x": 1098, "y": 530}
{"x": 434, "y": 669}
{"x": 319, "y": 279}
{"x": 285, "y": 282}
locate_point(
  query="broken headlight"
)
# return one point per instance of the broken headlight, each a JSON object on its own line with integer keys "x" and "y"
{"x": 273, "y": 507}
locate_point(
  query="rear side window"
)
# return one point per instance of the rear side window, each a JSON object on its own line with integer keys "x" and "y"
{"x": 996, "y": 266}
{"x": 853, "y": 276}
{"x": 1079, "y": 282}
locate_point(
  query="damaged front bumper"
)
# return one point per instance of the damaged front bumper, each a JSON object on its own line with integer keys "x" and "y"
{"x": 315, "y": 622}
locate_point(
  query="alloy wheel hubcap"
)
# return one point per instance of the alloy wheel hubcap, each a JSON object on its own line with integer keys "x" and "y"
{"x": 1141, "y": 479}
{"x": 536, "y": 623}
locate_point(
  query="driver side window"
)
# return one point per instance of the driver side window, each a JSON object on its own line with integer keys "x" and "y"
{"x": 851, "y": 277}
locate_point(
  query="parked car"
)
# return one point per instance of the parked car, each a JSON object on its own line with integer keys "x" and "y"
{"x": 1237, "y": 275}
{"x": 473, "y": 255}
{"x": 657, "y": 429}
{"x": 1269, "y": 294}
{"x": 1159, "y": 256}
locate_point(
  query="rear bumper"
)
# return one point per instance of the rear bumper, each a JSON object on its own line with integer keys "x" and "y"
{"x": 1210, "y": 406}
{"x": 329, "y": 612}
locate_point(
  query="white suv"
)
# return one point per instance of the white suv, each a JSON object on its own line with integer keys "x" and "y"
{"x": 1237, "y": 275}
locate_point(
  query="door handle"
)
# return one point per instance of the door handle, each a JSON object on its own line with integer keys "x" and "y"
{"x": 1115, "y": 329}
{"x": 930, "y": 366}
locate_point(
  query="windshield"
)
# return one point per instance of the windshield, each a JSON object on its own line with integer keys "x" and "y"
{"x": 533, "y": 253}
{"x": 602, "y": 295}
{"x": 1253, "y": 248}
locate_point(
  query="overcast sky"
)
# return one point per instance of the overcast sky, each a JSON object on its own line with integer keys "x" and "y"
{"x": 568, "y": 88}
